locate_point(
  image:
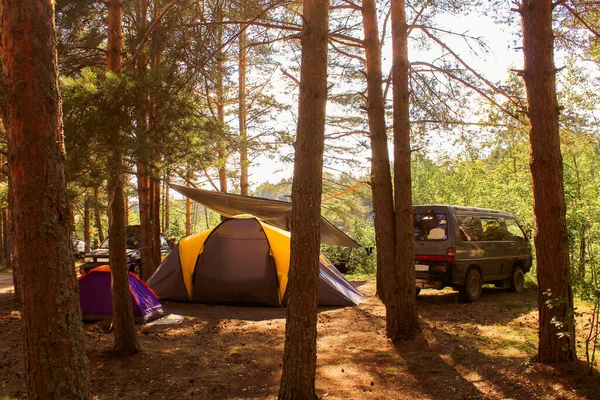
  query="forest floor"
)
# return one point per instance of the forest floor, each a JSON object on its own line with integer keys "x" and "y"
{"x": 480, "y": 350}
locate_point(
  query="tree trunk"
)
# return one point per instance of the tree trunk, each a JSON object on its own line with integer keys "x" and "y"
{"x": 244, "y": 184}
{"x": 97, "y": 215}
{"x": 5, "y": 237}
{"x": 145, "y": 221}
{"x": 125, "y": 339}
{"x": 155, "y": 203}
{"x": 156, "y": 61}
{"x": 188, "y": 206}
{"x": 2, "y": 239}
{"x": 167, "y": 205}
{"x": 55, "y": 358}
{"x": 144, "y": 191}
{"x": 556, "y": 342}
{"x": 126, "y": 202}
{"x": 222, "y": 146}
{"x": 87, "y": 232}
{"x": 188, "y": 217}
{"x": 401, "y": 279}
{"x": 381, "y": 183}
{"x": 3, "y": 254}
{"x": 300, "y": 350}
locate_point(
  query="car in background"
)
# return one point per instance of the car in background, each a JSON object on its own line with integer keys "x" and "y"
{"x": 100, "y": 256}
{"x": 464, "y": 247}
{"x": 78, "y": 248}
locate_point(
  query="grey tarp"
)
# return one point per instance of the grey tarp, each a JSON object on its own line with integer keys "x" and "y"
{"x": 273, "y": 212}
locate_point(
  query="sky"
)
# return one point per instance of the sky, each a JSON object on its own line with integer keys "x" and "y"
{"x": 494, "y": 65}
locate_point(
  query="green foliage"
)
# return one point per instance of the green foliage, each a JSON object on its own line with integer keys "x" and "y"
{"x": 361, "y": 260}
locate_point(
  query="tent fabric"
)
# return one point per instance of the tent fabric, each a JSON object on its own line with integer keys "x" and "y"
{"x": 241, "y": 261}
{"x": 95, "y": 297}
{"x": 273, "y": 212}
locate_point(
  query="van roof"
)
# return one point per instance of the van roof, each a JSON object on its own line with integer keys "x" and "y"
{"x": 465, "y": 209}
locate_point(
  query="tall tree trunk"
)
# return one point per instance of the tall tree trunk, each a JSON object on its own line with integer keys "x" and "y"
{"x": 125, "y": 338}
{"x": 188, "y": 206}
{"x": 582, "y": 226}
{"x": 145, "y": 221}
{"x": 381, "y": 184}
{"x": 2, "y": 226}
{"x": 300, "y": 350}
{"x": 126, "y": 203}
{"x": 556, "y": 341}
{"x": 167, "y": 204}
{"x": 98, "y": 215}
{"x": 87, "y": 232}
{"x": 156, "y": 61}
{"x": 188, "y": 217}
{"x": 222, "y": 146}
{"x": 2, "y": 239}
{"x": 401, "y": 279}
{"x": 144, "y": 155}
{"x": 5, "y": 237}
{"x": 156, "y": 258}
{"x": 244, "y": 184}
{"x": 55, "y": 361}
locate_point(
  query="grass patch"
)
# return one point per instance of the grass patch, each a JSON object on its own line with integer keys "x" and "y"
{"x": 235, "y": 352}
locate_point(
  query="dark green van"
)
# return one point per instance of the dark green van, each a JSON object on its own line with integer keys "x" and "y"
{"x": 464, "y": 247}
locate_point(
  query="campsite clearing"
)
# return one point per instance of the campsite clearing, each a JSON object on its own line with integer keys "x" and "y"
{"x": 464, "y": 351}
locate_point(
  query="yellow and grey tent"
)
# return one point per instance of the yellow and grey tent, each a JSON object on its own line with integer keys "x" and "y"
{"x": 243, "y": 260}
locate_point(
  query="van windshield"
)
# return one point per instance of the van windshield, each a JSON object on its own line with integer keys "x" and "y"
{"x": 430, "y": 226}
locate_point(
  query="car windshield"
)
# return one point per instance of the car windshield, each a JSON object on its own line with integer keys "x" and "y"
{"x": 430, "y": 226}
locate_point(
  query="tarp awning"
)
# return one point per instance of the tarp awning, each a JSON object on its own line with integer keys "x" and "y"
{"x": 273, "y": 212}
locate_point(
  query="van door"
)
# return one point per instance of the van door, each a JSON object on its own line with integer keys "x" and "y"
{"x": 520, "y": 247}
{"x": 498, "y": 248}
{"x": 473, "y": 250}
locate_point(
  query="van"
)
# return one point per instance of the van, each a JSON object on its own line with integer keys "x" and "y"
{"x": 464, "y": 247}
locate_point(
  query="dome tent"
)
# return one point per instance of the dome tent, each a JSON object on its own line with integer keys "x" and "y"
{"x": 95, "y": 297}
{"x": 243, "y": 260}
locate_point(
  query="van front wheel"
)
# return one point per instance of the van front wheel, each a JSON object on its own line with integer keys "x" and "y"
{"x": 518, "y": 280}
{"x": 471, "y": 290}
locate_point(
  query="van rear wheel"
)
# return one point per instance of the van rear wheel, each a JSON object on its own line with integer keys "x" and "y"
{"x": 517, "y": 282}
{"x": 471, "y": 290}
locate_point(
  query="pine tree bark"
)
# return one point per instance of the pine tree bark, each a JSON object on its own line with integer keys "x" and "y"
{"x": 222, "y": 145}
{"x": 5, "y": 237}
{"x": 155, "y": 202}
{"x": 145, "y": 221}
{"x": 556, "y": 343}
{"x": 123, "y": 323}
{"x": 2, "y": 223}
{"x": 402, "y": 278}
{"x": 55, "y": 358}
{"x": 98, "y": 215}
{"x": 87, "y": 232}
{"x": 388, "y": 279}
{"x": 156, "y": 61}
{"x": 244, "y": 183}
{"x": 167, "y": 204}
{"x": 300, "y": 350}
{"x": 126, "y": 202}
{"x": 188, "y": 206}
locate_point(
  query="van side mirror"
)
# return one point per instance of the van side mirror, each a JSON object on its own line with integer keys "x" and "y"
{"x": 528, "y": 234}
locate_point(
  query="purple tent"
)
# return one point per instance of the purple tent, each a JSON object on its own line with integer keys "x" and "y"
{"x": 95, "y": 297}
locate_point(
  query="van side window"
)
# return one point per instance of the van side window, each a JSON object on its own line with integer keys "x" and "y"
{"x": 515, "y": 233}
{"x": 469, "y": 228}
{"x": 494, "y": 229}
{"x": 430, "y": 226}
